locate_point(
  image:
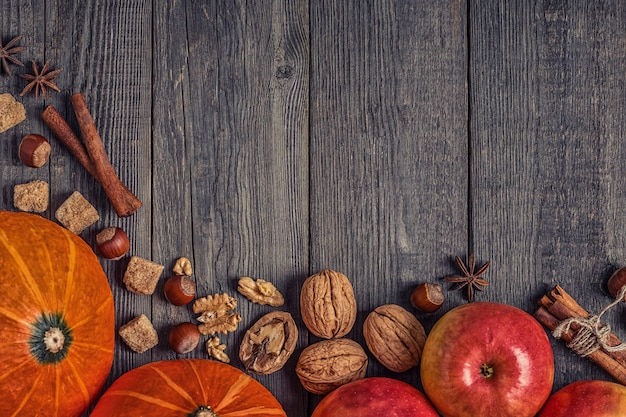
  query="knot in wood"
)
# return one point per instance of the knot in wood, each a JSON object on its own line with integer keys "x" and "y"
{"x": 284, "y": 72}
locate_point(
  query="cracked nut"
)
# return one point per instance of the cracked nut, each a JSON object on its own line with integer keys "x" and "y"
{"x": 269, "y": 343}
{"x": 327, "y": 304}
{"x": 216, "y": 314}
{"x": 217, "y": 350}
{"x": 395, "y": 337}
{"x": 326, "y": 365}
{"x": 182, "y": 267}
{"x": 260, "y": 291}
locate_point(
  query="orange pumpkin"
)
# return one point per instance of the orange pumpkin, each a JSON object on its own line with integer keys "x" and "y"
{"x": 187, "y": 388}
{"x": 56, "y": 319}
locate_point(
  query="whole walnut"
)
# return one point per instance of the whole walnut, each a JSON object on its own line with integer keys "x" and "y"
{"x": 328, "y": 364}
{"x": 327, "y": 304}
{"x": 395, "y": 337}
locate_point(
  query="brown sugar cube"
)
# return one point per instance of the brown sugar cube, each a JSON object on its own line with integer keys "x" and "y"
{"x": 139, "y": 334}
{"x": 76, "y": 213}
{"x": 12, "y": 112}
{"x": 142, "y": 275}
{"x": 32, "y": 196}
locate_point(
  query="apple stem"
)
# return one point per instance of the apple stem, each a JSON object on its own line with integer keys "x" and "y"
{"x": 486, "y": 370}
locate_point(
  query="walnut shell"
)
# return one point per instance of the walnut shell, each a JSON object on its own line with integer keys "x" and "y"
{"x": 327, "y": 304}
{"x": 269, "y": 343}
{"x": 395, "y": 337}
{"x": 326, "y": 365}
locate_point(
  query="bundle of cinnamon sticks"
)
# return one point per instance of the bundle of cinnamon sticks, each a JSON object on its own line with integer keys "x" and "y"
{"x": 91, "y": 154}
{"x": 557, "y": 306}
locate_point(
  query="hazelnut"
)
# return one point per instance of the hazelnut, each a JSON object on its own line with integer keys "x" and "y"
{"x": 112, "y": 243}
{"x": 179, "y": 290}
{"x": 427, "y": 297}
{"x": 34, "y": 150}
{"x": 616, "y": 282}
{"x": 184, "y": 338}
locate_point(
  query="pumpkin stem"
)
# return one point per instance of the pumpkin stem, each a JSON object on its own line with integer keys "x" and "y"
{"x": 203, "y": 411}
{"x": 50, "y": 339}
{"x": 54, "y": 339}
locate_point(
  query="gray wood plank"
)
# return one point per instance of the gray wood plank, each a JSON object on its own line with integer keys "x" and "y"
{"x": 17, "y": 18}
{"x": 388, "y": 149}
{"x": 113, "y": 71}
{"x": 171, "y": 169}
{"x": 231, "y": 151}
{"x": 546, "y": 141}
{"x": 275, "y": 139}
{"x": 105, "y": 54}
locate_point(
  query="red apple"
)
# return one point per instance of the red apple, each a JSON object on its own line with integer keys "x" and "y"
{"x": 587, "y": 399}
{"x": 375, "y": 396}
{"x": 487, "y": 359}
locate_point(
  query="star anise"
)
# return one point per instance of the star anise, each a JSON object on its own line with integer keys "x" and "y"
{"x": 41, "y": 80}
{"x": 6, "y": 53}
{"x": 470, "y": 279}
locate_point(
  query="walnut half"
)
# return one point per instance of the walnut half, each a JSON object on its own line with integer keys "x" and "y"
{"x": 260, "y": 291}
{"x": 216, "y": 314}
{"x": 269, "y": 343}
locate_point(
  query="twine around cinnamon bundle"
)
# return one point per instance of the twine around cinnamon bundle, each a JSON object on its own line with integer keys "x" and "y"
{"x": 593, "y": 335}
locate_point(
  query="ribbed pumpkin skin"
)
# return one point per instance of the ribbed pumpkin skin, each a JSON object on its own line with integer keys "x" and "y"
{"x": 178, "y": 387}
{"x": 45, "y": 268}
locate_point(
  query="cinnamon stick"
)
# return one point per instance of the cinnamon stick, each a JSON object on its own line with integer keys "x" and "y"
{"x": 124, "y": 202}
{"x": 556, "y": 306}
{"x": 65, "y": 134}
{"x": 612, "y": 366}
{"x": 563, "y": 306}
{"x": 559, "y": 294}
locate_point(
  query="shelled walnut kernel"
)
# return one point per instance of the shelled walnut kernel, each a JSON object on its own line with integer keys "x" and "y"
{"x": 182, "y": 267}
{"x": 260, "y": 291}
{"x": 216, "y": 314}
{"x": 217, "y": 350}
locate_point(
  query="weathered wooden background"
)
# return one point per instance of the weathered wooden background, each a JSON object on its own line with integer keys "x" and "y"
{"x": 379, "y": 138}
